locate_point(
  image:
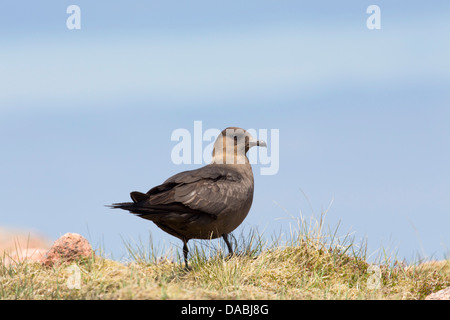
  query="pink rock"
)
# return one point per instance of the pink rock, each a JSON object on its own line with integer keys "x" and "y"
{"x": 67, "y": 248}
{"x": 13, "y": 239}
{"x": 20, "y": 245}
{"x": 443, "y": 294}
{"x": 29, "y": 255}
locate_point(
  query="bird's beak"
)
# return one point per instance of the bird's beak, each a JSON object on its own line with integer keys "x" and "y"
{"x": 258, "y": 143}
{"x": 261, "y": 143}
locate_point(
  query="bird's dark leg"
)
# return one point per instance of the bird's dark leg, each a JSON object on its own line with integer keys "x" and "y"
{"x": 230, "y": 248}
{"x": 185, "y": 253}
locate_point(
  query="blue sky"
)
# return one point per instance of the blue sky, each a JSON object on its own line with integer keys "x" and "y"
{"x": 86, "y": 115}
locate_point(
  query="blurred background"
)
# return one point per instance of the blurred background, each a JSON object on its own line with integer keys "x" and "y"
{"x": 86, "y": 115}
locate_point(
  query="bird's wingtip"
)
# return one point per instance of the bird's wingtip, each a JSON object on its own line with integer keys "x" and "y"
{"x": 137, "y": 196}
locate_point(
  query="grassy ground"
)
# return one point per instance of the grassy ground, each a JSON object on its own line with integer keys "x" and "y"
{"x": 310, "y": 265}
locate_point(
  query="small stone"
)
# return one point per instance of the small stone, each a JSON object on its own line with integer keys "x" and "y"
{"x": 70, "y": 247}
{"x": 28, "y": 255}
{"x": 443, "y": 294}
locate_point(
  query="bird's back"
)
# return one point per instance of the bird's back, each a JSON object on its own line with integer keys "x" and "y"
{"x": 198, "y": 204}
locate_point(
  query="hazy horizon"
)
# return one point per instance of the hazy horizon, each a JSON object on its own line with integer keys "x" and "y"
{"x": 86, "y": 116}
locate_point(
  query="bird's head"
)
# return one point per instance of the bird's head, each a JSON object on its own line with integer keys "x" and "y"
{"x": 232, "y": 144}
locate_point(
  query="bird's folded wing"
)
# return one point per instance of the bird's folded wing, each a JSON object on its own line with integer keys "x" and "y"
{"x": 210, "y": 190}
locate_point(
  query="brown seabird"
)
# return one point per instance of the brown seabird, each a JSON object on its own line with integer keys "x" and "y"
{"x": 205, "y": 203}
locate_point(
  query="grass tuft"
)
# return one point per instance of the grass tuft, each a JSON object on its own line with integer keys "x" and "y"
{"x": 310, "y": 264}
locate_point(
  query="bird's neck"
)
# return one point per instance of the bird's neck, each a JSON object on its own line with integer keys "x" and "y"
{"x": 235, "y": 158}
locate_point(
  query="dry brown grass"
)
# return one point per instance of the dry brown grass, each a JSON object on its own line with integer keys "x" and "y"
{"x": 309, "y": 266}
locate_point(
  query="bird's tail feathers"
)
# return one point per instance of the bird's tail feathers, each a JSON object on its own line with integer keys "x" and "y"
{"x": 122, "y": 205}
{"x": 136, "y": 209}
{"x": 136, "y": 196}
